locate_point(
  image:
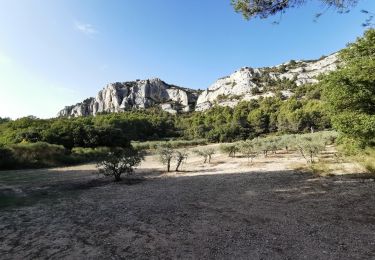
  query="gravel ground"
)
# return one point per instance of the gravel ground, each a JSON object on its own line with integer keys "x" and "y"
{"x": 226, "y": 210}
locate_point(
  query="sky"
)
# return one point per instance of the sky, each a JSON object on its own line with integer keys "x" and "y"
{"x": 55, "y": 53}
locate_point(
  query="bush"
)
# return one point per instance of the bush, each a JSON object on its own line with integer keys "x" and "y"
{"x": 310, "y": 145}
{"x": 120, "y": 161}
{"x": 180, "y": 157}
{"x": 7, "y": 159}
{"x": 230, "y": 149}
{"x": 152, "y": 145}
{"x": 166, "y": 154}
{"x": 40, "y": 154}
{"x": 249, "y": 149}
{"x": 206, "y": 153}
{"x": 81, "y": 154}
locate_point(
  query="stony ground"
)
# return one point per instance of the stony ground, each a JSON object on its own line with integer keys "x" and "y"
{"x": 226, "y": 210}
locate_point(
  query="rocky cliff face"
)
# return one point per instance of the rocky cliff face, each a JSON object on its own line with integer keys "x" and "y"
{"x": 248, "y": 83}
{"x": 244, "y": 84}
{"x": 118, "y": 97}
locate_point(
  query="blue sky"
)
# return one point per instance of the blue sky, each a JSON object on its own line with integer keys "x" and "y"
{"x": 56, "y": 53}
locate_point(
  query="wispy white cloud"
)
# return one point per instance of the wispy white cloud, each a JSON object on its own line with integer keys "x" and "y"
{"x": 85, "y": 28}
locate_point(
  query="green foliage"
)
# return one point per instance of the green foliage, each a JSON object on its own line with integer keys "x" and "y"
{"x": 81, "y": 154}
{"x": 7, "y": 159}
{"x": 4, "y": 120}
{"x": 166, "y": 154}
{"x": 206, "y": 153}
{"x": 40, "y": 154}
{"x": 350, "y": 91}
{"x": 309, "y": 146}
{"x": 120, "y": 161}
{"x": 230, "y": 149}
{"x": 112, "y": 130}
{"x": 180, "y": 156}
{"x": 249, "y": 149}
{"x": 152, "y": 145}
{"x": 265, "y": 8}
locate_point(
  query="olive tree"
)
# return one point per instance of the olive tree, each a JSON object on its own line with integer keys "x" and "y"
{"x": 287, "y": 142}
{"x": 180, "y": 157}
{"x": 206, "y": 154}
{"x": 249, "y": 149}
{"x": 309, "y": 146}
{"x": 120, "y": 161}
{"x": 166, "y": 154}
{"x": 230, "y": 149}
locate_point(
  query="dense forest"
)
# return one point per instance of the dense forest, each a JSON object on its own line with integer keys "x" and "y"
{"x": 301, "y": 113}
{"x": 343, "y": 100}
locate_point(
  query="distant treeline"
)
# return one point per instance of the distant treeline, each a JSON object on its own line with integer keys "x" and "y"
{"x": 219, "y": 124}
{"x": 93, "y": 131}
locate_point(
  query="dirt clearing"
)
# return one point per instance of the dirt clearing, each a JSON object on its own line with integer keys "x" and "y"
{"x": 225, "y": 210}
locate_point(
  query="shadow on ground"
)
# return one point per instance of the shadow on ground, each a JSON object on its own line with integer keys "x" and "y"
{"x": 257, "y": 215}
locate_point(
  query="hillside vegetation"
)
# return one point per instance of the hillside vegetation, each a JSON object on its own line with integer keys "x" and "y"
{"x": 343, "y": 100}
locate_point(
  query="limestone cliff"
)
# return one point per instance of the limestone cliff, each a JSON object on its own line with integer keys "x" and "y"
{"x": 117, "y": 97}
{"x": 249, "y": 83}
{"x": 244, "y": 84}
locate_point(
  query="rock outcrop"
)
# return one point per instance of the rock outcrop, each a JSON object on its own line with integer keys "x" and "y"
{"x": 244, "y": 84}
{"x": 118, "y": 97}
{"x": 249, "y": 83}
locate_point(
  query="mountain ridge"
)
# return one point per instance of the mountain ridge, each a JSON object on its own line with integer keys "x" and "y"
{"x": 244, "y": 84}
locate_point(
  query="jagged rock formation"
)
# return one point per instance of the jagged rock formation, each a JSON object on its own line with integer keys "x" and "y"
{"x": 244, "y": 84}
{"x": 249, "y": 83}
{"x": 118, "y": 97}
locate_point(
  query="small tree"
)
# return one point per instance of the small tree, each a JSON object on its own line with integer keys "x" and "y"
{"x": 309, "y": 146}
{"x": 209, "y": 152}
{"x": 166, "y": 154}
{"x": 180, "y": 157}
{"x": 271, "y": 143}
{"x": 230, "y": 149}
{"x": 249, "y": 150}
{"x": 206, "y": 154}
{"x": 119, "y": 161}
{"x": 287, "y": 141}
{"x": 263, "y": 145}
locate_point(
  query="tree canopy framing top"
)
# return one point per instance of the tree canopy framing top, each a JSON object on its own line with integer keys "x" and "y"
{"x": 265, "y": 8}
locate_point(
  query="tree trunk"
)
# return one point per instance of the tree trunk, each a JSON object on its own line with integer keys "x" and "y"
{"x": 179, "y": 161}
{"x": 117, "y": 177}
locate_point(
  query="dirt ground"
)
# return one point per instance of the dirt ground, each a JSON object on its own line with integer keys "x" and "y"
{"x": 229, "y": 209}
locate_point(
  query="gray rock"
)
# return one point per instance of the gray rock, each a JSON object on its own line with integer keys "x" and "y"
{"x": 140, "y": 94}
{"x": 226, "y": 91}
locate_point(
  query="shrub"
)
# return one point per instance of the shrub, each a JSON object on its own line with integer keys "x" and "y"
{"x": 39, "y": 154}
{"x": 287, "y": 142}
{"x": 120, "y": 161}
{"x": 166, "y": 154}
{"x": 249, "y": 149}
{"x": 82, "y": 154}
{"x": 152, "y": 145}
{"x": 230, "y": 149}
{"x": 7, "y": 159}
{"x": 309, "y": 145}
{"x": 206, "y": 154}
{"x": 180, "y": 157}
